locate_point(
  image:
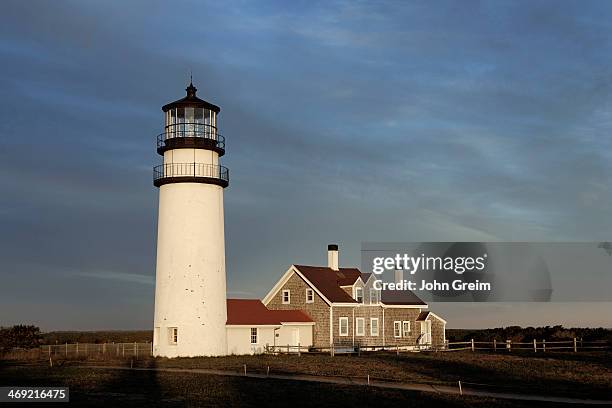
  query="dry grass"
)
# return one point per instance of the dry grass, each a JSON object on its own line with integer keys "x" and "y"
{"x": 103, "y": 388}
{"x": 583, "y": 374}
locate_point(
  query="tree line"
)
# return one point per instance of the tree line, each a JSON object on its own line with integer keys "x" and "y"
{"x": 528, "y": 334}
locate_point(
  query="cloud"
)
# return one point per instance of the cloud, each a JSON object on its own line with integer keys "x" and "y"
{"x": 119, "y": 276}
{"x": 345, "y": 122}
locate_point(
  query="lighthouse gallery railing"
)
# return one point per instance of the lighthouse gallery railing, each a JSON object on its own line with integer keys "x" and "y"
{"x": 212, "y": 171}
{"x": 191, "y": 130}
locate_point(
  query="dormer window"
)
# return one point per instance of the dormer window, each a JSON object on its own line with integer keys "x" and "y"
{"x": 374, "y": 296}
{"x": 359, "y": 295}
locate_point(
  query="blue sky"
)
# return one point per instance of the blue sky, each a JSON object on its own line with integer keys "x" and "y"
{"x": 345, "y": 122}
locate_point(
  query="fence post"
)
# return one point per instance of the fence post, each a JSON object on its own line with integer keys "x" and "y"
{"x": 509, "y": 344}
{"x": 494, "y": 345}
{"x": 123, "y": 352}
{"x": 49, "y": 351}
{"x": 472, "y": 341}
{"x": 299, "y": 350}
{"x": 575, "y": 346}
{"x": 535, "y": 348}
{"x": 66, "y": 349}
{"x": 544, "y": 345}
{"x": 77, "y": 349}
{"x": 136, "y": 349}
{"x": 397, "y": 349}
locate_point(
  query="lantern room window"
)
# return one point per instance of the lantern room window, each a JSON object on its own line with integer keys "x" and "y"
{"x": 191, "y": 122}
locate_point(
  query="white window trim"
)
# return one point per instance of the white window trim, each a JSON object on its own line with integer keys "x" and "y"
{"x": 171, "y": 335}
{"x": 405, "y": 332}
{"x": 359, "y": 288}
{"x": 340, "y": 327}
{"x": 372, "y": 332}
{"x": 372, "y": 290}
{"x": 256, "y": 335}
{"x": 311, "y": 293}
{"x": 362, "y": 332}
{"x": 288, "y": 292}
{"x": 397, "y": 324}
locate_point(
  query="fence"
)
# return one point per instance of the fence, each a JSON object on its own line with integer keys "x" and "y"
{"x": 99, "y": 350}
{"x": 345, "y": 349}
{"x": 536, "y": 345}
{"x": 543, "y": 345}
{"x": 142, "y": 350}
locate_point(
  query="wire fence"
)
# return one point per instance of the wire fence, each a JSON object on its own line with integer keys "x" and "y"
{"x": 145, "y": 350}
{"x": 111, "y": 350}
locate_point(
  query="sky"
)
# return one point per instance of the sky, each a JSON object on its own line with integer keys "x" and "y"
{"x": 345, "y": 122}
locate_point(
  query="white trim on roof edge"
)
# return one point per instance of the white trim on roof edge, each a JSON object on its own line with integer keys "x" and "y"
{"x": 403, "y": 306}
{"x": 436, "y": 316}
{"x": 298, "y": 323}
{"x": 294, "y": 269}
{"x": 284, "y": 279}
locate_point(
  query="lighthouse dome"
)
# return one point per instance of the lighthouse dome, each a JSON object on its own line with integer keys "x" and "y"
{"x": 191, "y": 101}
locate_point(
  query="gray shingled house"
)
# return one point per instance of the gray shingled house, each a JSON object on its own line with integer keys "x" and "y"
{"x": 348, "y": 311}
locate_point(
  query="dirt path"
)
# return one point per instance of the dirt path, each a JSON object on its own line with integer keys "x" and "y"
{"x": 444, "y": 389}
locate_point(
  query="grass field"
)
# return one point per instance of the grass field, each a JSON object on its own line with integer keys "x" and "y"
{"x": 586, "y": 375}
{"x": 100, "y": 388}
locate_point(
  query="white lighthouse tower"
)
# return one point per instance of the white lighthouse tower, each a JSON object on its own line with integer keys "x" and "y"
{"x": 190, "y": 298}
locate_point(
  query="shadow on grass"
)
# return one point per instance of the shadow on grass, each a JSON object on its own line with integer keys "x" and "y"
{"x": 506, "y": 375}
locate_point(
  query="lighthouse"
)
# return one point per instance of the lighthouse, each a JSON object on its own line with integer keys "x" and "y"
{"x": 190, "y": 286}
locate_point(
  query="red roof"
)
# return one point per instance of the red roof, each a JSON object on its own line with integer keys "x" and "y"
{"x": 253, "y": 312}
{"x": 422, "y": 316}
{"x": 400, "y": 297}
{"x": 329, "y": 283}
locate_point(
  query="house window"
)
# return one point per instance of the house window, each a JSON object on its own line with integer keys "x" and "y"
{"x": 343, "y": 328}
{"x": 406, "y": 328}
{"x": 173, "y": 335}
{"x": 309, "y": 296}
{"x": 253, "y": 335}
{"x": 286, "y": 297}
{"x": 360, "y": 326}
{"x": 397, "y": 329}
{"x": 359, "y": 295}
{"x": 374, "y": 326}
{"x": 373, "y": 296}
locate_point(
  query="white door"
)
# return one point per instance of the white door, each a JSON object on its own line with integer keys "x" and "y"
{"x": 295, "y": 337}
{"x": 425, "y": 332}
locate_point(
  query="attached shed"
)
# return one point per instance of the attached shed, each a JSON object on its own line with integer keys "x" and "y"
{"x": 251, "y": 326}
{"x": 432, "y": 327}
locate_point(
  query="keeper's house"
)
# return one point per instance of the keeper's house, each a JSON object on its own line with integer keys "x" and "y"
{"x": 323, "y": 306}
